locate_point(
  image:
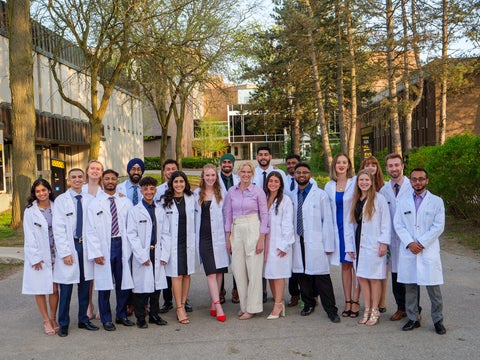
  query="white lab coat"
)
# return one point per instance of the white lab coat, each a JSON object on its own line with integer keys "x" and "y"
{"x": 139, "y": 230}
{"x": 64, "y": 224}
{"x": 318, "y": 234}
{"x": 281, "y": 237}
{"x": 331, "y": 190}
{"x": 258, "y": 176}
{"x": 389, "y": 194}
{"x": 375, "y": 231}
{"x": 424, "y": 227}
{"x": 98, "y": 240}
{"x": 170, "y": 243}
{"x": 236, "y": 180}
{"x": 160, "y": 191}
{"x": 37, "y": 249}
{"x": 220, "y": 254}
{"x": 288, "y": 182}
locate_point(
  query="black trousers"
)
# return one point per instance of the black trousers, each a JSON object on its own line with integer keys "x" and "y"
{"x": 167, "y": 293}
{"x": 293, "y": 286}
{"x": 398, "y": 290}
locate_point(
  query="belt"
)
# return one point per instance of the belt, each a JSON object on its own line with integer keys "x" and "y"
{"x": 152, "y": 247}
{"x": 78, "y": 240}
{"x": 116, "y": 238}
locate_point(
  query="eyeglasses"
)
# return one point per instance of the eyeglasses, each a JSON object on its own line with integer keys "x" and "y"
{"x": 422, "y": 179}
{"x": 302, "y": 172}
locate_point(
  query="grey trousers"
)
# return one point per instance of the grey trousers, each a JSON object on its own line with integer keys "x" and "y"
{"x": 411, "y": 302}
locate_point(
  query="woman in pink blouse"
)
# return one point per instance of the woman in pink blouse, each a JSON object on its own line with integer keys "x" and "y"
{"x": 246, "y": 225}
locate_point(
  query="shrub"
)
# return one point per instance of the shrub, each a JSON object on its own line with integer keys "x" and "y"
{"x": 153, "y": 163}
{"x": 321, "y": 181}
{"x": 197, "y": 162}
{"x": 454, "y": 173}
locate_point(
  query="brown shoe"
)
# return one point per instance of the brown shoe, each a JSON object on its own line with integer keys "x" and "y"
{"x": 235, "y": 298}
{"x": 399, "y": 314}
{"x": 293, "y": 301}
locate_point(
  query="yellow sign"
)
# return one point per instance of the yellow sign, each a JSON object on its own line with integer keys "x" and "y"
{"x": 58, "y": 164}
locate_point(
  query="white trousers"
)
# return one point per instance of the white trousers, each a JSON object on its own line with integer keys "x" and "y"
{"x": 247, "y": 266}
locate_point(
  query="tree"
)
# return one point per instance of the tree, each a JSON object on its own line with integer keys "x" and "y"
{"x": 108, "y": 34}
{"x": 23, "y": 107}
{"x": 211, "y": 137}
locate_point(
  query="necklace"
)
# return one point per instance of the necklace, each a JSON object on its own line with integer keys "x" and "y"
{"x": 178, "y": 201}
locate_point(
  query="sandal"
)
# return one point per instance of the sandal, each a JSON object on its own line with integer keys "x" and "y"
{"x": 55, "y": 325}
{"x": 354, "y": 314}
{"x": 182, "y": 315}
{"x": 365, "y": 317}
{"x": 347, "y": 313}
{"x": 47, "y": 327}
{"x": 222, "y": 296}
{"x": 374, "y": 318}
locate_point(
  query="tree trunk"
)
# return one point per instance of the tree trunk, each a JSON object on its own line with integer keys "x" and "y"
{"x": 179, "y": 120}
{"x": 318, "y": 93}
{"x": 392, "y": 83}
{"x": 340, "y": 91}
{"x": 23, "y": 106}
{"x": 96, "y": 134}
{"x": 296, "y": 127}
{"x": 444, "y": 83}
{"x": 353, "y": 87}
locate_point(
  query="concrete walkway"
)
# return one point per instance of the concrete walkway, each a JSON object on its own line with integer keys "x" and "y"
{"x": 292, "y": 337}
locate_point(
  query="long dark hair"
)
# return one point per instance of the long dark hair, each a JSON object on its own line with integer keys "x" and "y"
{"x": 279, "y": 196}
{"x": 168, "y": 196}
{"x": 33, "y": 197}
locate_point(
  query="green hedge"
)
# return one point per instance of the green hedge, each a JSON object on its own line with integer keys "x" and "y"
{"x": 197, "y": 162}
{"x": 454, "y": 173}
{"x": 153, "y": 163}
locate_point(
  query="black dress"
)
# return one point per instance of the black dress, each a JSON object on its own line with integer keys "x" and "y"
{"x": 206, "y": 243}
{"x": 358, "y": 218}
{"x": 181, "y": 236}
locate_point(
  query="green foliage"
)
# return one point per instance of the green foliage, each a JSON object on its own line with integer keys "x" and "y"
{"x": 321, "y": 180}
{"x": 198, "y": 162}
{"x": 153, "y": 163}
{"x": 454, "y": 173}
{"x": 8, "y": 235}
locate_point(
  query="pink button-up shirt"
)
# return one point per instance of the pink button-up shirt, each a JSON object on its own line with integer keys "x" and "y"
{"x": 252, "y": 200}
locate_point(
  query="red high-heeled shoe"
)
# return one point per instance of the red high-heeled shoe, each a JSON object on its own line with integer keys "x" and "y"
{"x": 220, "y": 318}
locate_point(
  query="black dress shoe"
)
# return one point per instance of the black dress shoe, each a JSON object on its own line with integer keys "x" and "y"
{"x": 63, "y": 331}
{"x": 410, "y": 325}
{"x": 166, "y": 307}
{"x": 124, "y": 321}
{"x": 439, "y": 328}
{"x": 142, "y": 324}
{"x": 334, "y": 318}
{"x": 188, "y": 307}
{"x": 88, "y": 326}
{"x": 157, "y": 320}
{"x": 264, "y": 298}
{"x": 108, "y": 326}
{"x": 307, "y": 310}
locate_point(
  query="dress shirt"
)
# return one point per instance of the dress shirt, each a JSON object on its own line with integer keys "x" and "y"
{"x": 130, "y": 189}
{"x": 418, "y": 199}
{"x": 252, "y": 200}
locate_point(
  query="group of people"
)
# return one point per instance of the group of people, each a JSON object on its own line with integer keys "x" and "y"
{"x": 140, "y": 238}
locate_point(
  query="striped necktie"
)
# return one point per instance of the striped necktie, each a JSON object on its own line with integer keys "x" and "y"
{"x": 300, "y": 213}
{"x": 113, "y": 211}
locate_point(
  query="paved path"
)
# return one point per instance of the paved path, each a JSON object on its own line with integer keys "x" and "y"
{"x": 292, "y": 337}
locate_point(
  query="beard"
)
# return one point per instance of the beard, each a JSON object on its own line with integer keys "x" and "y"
{"x": 302, "y": 182}
{"x": 135, "y": 178}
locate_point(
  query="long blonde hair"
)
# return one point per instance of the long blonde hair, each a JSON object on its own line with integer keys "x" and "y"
{"x": 216, "y": 185}
{"x": 369, "y": 207}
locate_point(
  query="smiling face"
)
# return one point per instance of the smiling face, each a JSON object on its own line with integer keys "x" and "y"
{"x": 148, "y": 192}
{"x": 341, "y": 165}
{"x": 209, "y": 177}
{"x": 135, "y": 174}
{"x": 109, "y": 183}
{"x": 94, "y": 171}
{"x": 42, "y": 193}
{"x": 178, "y": 185}
{"x": 364, "y": 182}
{"x": 394, "y": 168}
{"x": 273, "y": 184}
{"x": 290, "y": 164}
{"x": 419, "y": 181}
{"x": 226, "y": 167}
{"x": 263, "y": 158}
{"x": 372, "y": 168}
{"x": 169, "y": 170}
{"x": 245, "y": 174}
{"x": 75, "y": 180}
{"x": 302, "y": 176}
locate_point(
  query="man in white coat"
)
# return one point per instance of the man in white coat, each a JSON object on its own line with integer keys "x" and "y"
{"x": 145, "y": 227}
{"x": 130, "y": 187}
{"x": 394, "y": 191}
{"x": 71, "y": 268}
{"x": 314, "y": 242}
{"x": 108, "y": 247}
{"x": 419, "y": 221}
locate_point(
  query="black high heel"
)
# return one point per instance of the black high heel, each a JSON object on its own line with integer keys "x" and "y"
{"x": 354, "y": 314}
{"x": 347, "y": 313}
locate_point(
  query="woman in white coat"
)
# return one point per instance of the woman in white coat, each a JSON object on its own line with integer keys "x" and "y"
{"x": 210, "y": 235}
{"x": 40, "y": 253}
{"x": 340, "y": 193}
{"x": 278, "y": 248}
{"x": 367, "y": 236}
{"x": 178, "y": 250}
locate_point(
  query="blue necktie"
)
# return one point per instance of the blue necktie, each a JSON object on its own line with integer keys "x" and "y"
{"x": 113, "y": 211}
{"x": 78, "y": 230}
{"x": 300, "y": 213}
{"x": 292, "y": 184}
{"x": 397, "y": 189}
{"x": 135, "y": 195}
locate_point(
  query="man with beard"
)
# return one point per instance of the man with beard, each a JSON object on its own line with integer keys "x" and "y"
{"x": 130, "y": 187}
{"x": 108, "y": 248}
{"x": 419, "y": 221}
{"x": 227, "y": 180}
{"x": 314, "y": 242}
